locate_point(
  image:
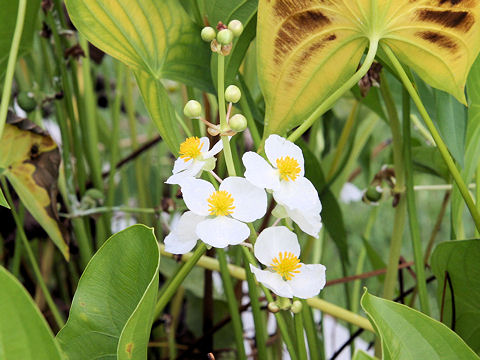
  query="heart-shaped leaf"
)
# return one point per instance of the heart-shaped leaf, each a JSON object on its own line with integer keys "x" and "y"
{"x": 31, "y": 159}
{"x": 24, "y": 333}
{"x": 460, "y": 260}
{"x": 308, "y": 49}
{"x": 408, "y": 334}
{"x": 112, "y": 310}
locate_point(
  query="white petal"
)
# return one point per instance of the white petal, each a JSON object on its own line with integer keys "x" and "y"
{"x": 196, "y": 193}
{"x": 272, "y": 281}
{"x": 181, "y": 164}
{"x": 250, "y": 201}
{"x": 309, "y": 222}
{"x": 204, "y": 144}
{"x": 222, "y": 231}
{"x": 298, "y": 194}
{"x": 277, "y": 147}
{"x": 259, "y": 172}
{"x": 350, "y": 193}
{"x": 214, "y": 150}
{"x": 194, "y": 170}
{"x": 183, "y": 237}
{"x": 275, "y": 240}
{"x": 309, "y": 281}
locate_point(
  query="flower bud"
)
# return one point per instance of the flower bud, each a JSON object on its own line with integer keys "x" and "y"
{"x": 273, "y": 307}
{"x": 238, "y": 123}
{"x": 193, "y": 109}
{"x": 296, "y": 307}
{"x": 26, "y": 101}
{"x": 373, "y": 194}
{"x": 233, "y": 94}
{"x": 236, "y": 27}
{"x": 208, "y": 34}
{"x": 225, "y": 36}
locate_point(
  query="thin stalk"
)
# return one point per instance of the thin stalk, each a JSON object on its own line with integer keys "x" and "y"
{"x": 299, "y": 334}
{"x": 259, "y": 320}
{"x": 17, "y": 252}
{"x": 328, "y": 103}
{"x": 342, "y": 141}
{"x": 412, "y": 208}
{"x": 31, "y": 257}
{"x": 477, "y": 232}
{"x": 436, "y": 136}
{"x": 311, "y": 331}
{"x": 400, "y": 210}
{"x": 12, "y": 61}
{"x": 227, "y": 151}
{"x": 232, "y": 303}
{"x": 169, "y": 289}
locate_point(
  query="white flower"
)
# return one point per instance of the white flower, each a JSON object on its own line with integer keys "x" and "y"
{"x": 194, "y": 158}
{"x": 279, "y": 250}
{"x": 216, "y": 217}
{"x": 350, "y": 193}
{"x": 284, "y": 176}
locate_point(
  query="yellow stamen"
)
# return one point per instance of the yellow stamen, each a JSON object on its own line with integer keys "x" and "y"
{"x": 288, "y": 168}
{"x": 220, "y": 203}
{"x": 286, "y": 265}
{"x": 190, "y": 148}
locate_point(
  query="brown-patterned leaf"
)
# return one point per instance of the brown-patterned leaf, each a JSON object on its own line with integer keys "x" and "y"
{"x": 30, "y": 159}
{"x": 309, "y": 48}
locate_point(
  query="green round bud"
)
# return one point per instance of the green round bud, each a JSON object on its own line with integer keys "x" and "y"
{"x": 225, "y": 37}
{"x": 193, "y": 109}
{"x": 296, "y": 307}
{"x": 373, "y": 194}
{"x": 26, "y": 101}
{"x": 233, "y": 94}
{"x": 238, "y": 123}
{"x": 273, "y": 307}
{"x": 236, "y": 27}
{"x": 208, "y": 34}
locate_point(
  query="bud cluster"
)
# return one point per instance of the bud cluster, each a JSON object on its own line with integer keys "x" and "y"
{"x": 221, "y": 41}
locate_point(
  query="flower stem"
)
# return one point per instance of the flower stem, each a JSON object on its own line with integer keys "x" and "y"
{"x": 436, "y": 136}
{"x": 12, "y": 61}
{"x": 328, "y": 103}
{"x": 311, "y": 331}
{"x": 412, "y": 209}
{"x": 302, "y": 350}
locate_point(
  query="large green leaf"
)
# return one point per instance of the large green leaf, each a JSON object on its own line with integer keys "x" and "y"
{"x": 360, "y": 355}
{"x": 308, "y": 49}
{"x": 460, "y": 260}
{"x": 24, "y": 333}
{"x": 8, "y": 19}
{"x": 112, "y": 310}
{"x": 408, "y": 334}
{"x": 31, "y": 159}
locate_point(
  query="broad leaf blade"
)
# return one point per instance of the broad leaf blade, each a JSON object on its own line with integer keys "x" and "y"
{"x": 24, "y": 333}
{"x": 112, "y": 311}
{"x": 408, "y": 334}
{"x": 31, "y": 161}
{"x": 460, "y": 260}
{"x": 360, "y": 355}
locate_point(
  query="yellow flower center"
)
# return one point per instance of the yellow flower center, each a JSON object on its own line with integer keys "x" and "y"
{"x": 190, "y": 148}
{"x": 286, "y": 265}
{"x": 288, "y": 168}
{"x": 220, "y": 203}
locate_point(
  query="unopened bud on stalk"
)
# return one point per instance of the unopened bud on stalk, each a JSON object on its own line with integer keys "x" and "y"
{"x": 208, "y": 33}
{"x": 273, "y": 307}
{"x": 26, "y": 101}
{"x": 238, "y": 123}
{"x": 225, "y": 36}
{"x": 233, "y": 94}
{"x": 193, "y": 109}
{"x": 296, "y": 307}
{"x": 236, "y": 27}
{"x": 373, "y": 194}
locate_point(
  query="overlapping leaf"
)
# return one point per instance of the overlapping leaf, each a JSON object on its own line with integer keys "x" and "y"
{"x": 307, "y": 49}
{"x": 112, "y": 311}
{"x": 30, "y": 159}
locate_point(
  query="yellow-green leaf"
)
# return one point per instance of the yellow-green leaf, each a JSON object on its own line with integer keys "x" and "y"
{"x": 30, "y": 159}
{"x": 308, "y": 49}
{"x": 3, "y": 201}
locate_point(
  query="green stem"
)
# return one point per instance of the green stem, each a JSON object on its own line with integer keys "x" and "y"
{"x": 302, "y": 350}
{"x": 174, "y": 283}
{"x": 328, "y": 103}
{"x": 36, "y": 270}
{"x": 227, "y": 152}
{"x": 477, "y": 231}
{"x": 232, "y": 303}
{"x": 436, "y": 136}
{"x": 400, "y": 210}
{"x": 412, "y": 208}
{"x": 311, "y": 331}
{"x": 12, "y": 61}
